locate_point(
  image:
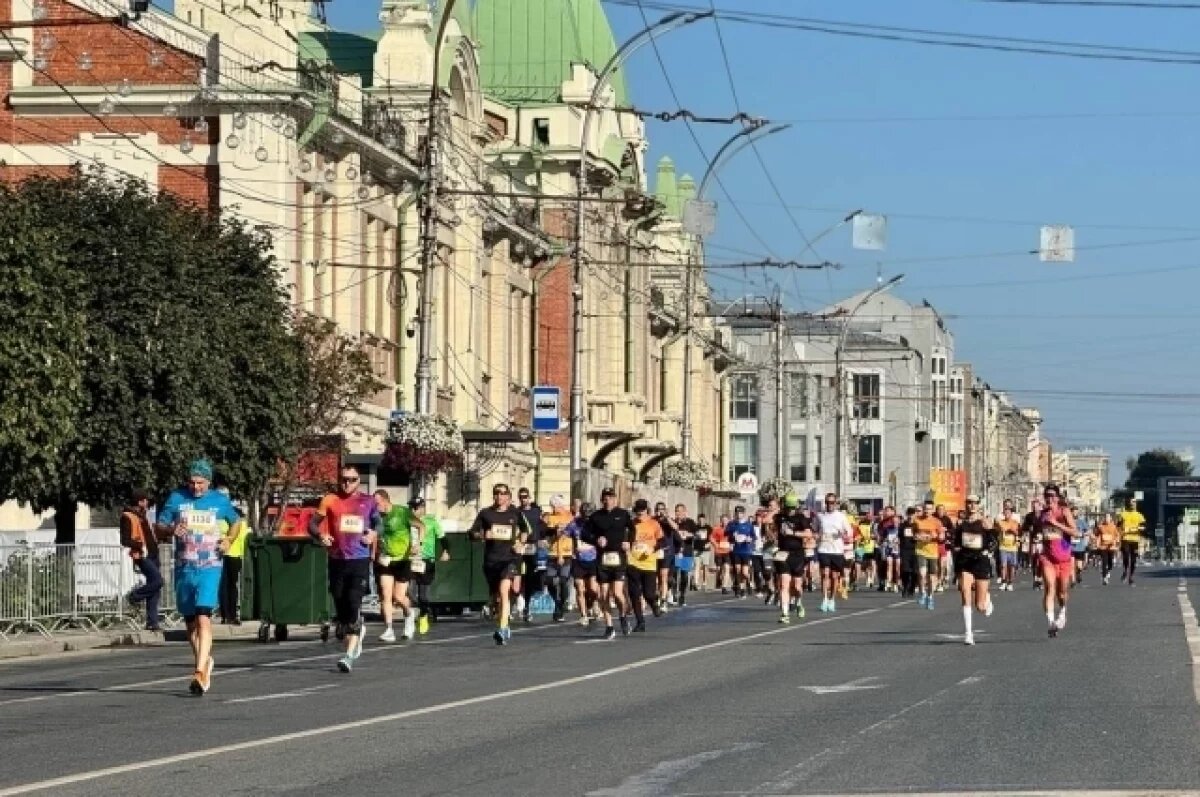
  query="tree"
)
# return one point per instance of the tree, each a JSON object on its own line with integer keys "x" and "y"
{"x": 1144, "y": 472}
{"x": 170, "y": 340}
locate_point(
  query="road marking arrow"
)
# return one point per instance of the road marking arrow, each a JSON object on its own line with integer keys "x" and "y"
{"x": 850, "y": 686}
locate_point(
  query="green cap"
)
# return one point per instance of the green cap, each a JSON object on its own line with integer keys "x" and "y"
{"x": 791, "y": 501}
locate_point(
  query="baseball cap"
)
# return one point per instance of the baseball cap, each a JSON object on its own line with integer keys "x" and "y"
{"x": 972, "y": 499}
{"x": 607, "y": 491}
{"x": 791, "y": 500}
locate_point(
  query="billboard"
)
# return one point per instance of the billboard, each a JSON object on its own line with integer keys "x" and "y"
{"x": 949, "y": 488}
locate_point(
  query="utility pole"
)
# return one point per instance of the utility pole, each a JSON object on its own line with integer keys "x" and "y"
{"x": 781, "y": 435}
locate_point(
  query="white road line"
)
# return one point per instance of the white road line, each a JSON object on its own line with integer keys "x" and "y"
{"x": 657, "y": 781}
{"x": 383, "y": 719}
{"x": 183, "y": 679}
{"x": 1191, "y": 632}
{"x": 281, "y": 695}
{"x": 795, "y": 776}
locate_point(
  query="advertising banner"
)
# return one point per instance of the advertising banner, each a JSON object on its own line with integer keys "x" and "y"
{"x": 949, "y": 488}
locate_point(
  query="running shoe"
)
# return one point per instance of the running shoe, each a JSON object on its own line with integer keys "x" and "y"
{"x": 423, "y": 625}
{"x": 987, "y": 612}
{"x": 921, "y": 599}
{"x": 969, "y": 639}
{"x": 800, "y": 610}
{"x": 410, "y": 627}
{"x": 832, "y": 605}
{"x": 585, "y": 621}
{"x": 639, "y": 627}
{"x": 498, "y": 636}
{"x": 785, "y": 619}
{"x": 610, "y": 632}
{"x": 1052, "y": 631}
{"x": 357, "y": 650}
{"x": 1060, "y": 622}
{"x": 345, "y": 664}
{"x": 929, "y": 603}
{"x": 624, "y": 626}
{"x": 388, "y": 635}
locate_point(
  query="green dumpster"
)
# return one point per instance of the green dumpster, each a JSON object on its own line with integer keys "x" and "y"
{"x": 290, "y": 585}
{"x": 459, "y": 583}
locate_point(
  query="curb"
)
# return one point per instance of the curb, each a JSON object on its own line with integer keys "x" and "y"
{"x": 40, "y": 646}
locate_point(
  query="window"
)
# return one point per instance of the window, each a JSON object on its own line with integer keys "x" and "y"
{"x": 743, "y": 454}
{"x": 818, "y": 398}
{"x": 868, "y": 463}
{"x": 541, "y": 132}
{"x": 797, "y": 396}
{"x": 797, "y": 458}
{"x": 745, "y": 399}
{"x": 866, "y": 396}
{"x": 817, "y": 458}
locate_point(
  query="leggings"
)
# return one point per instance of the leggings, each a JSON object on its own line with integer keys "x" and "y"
{"x": 642, "y": 583}
{"x": 910, "y": 576}
{"x": 761, "y": 581}
{"x": 348, "y": 583}
{"x": 1129, "y": 557}
{"x": 231, "y": 574}
{"x": 1106, "y": 562}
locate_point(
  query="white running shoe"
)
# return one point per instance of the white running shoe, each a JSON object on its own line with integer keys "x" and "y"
{"x": 990, "y": 608}
{"x": 1060, "y": 622}
{"x": 969, "y": 639}
{"x": 410, "y": 627}
{"x": 388, "y": 635}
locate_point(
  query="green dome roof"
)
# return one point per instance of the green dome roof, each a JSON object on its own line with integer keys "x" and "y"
{"x": 528, "y": 47}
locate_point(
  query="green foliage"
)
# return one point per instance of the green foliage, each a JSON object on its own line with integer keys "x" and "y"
{"x": 168, "y": 338}
{"x": 1144, "y": 473}
{"x": 338, "y": 375}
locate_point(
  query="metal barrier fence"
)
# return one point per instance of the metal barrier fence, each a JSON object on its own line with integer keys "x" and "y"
{"x": 50, "y": 589}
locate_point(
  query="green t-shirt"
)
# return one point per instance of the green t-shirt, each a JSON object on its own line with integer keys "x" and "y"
{"x": 396, "y": 540}
{"x": 429, "y": 540}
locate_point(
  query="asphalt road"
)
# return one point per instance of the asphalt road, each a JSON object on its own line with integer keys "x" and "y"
{"x": 712, "y": 701}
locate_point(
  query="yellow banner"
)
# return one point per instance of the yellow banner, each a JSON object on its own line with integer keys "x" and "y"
{"x": 949, "y": 488}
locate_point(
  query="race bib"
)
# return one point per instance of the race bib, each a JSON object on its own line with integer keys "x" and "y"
{"x": 641, "y": 549}
{"x": 702, "y": 535}
{"x": 611, "y": 559}
{"x": 741, "y": 538}
{"x": 908, "y": 533}
{"x": 384, "y": 561}
{"x": 201, "y": 521}
{"x": 1050, "y": 536}
{"x": 417, "y": 566}
{"x": 972, "y": 541}
{"x": 499, "y": 534}
{"x": 351, "y": 524}
{"x": 781, "y": 556}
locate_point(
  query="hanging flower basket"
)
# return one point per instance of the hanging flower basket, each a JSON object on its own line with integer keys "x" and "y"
{"x": 686, "y": 473}
{"x": 423, "y": 444}
{"x": 774, "y": 489}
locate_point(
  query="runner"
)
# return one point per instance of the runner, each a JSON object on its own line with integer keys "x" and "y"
{"x": 791, "y": 527}
{"x": 193, "y": 514}
{"x": 561, "y": 554}
{"x": 393, "y": 564}
{"x": 1107, "y": 539}
{"x": 972, "y": 541}
{"x": 864, "y": 551}
{"x": 742, "y": 533}
{"x": 1009, "y": 529}
{"x": 1033, "y": 530}
{"x": 610, "y": 529}
{"x": 930, "y": 533}
{"x": 764, "y": 519}
{"x": 348, "y": 523}
{"x": 505, "y": 533}
{"x": 643, "y": 573}
{"x": 1058, "y": 528}
{"x": 910, "y": 562}
{"x": 944, "y": 562}
{"x": 847, "y": 553}
{"x": 433, "y": 547}
{"x": 672, "y": 540}
{"x": 530, "y": 580}
{"x": 1079, "y": 548}
{"x": 583, "y": 568}
{"x": 722, "y": 555}
{"x": 1132, "y": 523}
{"x": 705, "y": 563}
{"x": 887, "y": 535}
{"x": 689, "y": 532}
{"x": 833, "y": 530}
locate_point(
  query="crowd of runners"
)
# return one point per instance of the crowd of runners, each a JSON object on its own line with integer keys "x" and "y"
{"x": 612, "y": 566}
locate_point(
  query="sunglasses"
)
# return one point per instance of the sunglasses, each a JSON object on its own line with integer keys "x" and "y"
{"x": 349, "y": 480}
{"x": 1050, "y": 495}
{"x": 501, "y": 492}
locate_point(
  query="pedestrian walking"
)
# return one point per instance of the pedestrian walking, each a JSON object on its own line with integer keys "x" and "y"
{"x": 139, "y": 538}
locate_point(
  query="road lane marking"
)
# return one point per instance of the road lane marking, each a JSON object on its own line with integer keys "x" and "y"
{"x": 281, "y": 695}
{"x": 384, "y": 719}
{"x": 1191, "y": 633}
{"x": 856, "y": 685}
{"x": 332, "y": 656}
{"x": 794, "y": 776}
{"x": 658, "y": 779}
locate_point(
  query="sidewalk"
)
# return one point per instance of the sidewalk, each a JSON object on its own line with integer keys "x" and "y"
{"x": 33, "y": 645}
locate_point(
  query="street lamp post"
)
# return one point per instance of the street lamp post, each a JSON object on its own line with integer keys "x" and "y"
{"x": 666, "y": 24}
{"x": 839, "y": 381}
{"x": 743, "y": 138}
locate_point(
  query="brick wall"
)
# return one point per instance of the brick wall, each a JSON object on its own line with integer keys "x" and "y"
{"x": 195, "y": 184}
{"x": 554, "y": 339}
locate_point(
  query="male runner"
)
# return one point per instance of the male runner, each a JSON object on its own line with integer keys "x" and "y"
{"x": 1009, "y": 529}
{"x": 930, "y": 533}
{"x": 348, "y": 523}
{"x": 672, "y": 541}
{"x": 193, "y": 514}
{"x": 1132, "y": 523}
{"x": 505, "y": 533}
{"x": 690, "y": 547}
{"x": 610, "y": 529}
{"x": 791, "y": 526}
{"x": 561, "y": 552}
{"x": 1033, "y": 529}
{"x": 1079, "y": 548}
{"x": 945, "y": 569}
{"x": 833, "y": 530}
{"x": 741, "y": 532}
{"x": 393, "y": 564}
{"x": 910, "y": 562}
{"x": 705, "y": 563}
{"x": 722, "y": 554}
{"x": 973, "y": 539}
{"x": 1107, "y": 540}
{"x": 642, "y": 574}
{"x": 887, "y": 533}
{"x": 583, "y": 569}
{"x": 532, "y": 576}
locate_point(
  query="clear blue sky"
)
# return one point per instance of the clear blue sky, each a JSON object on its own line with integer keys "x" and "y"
{"x": 895, "y": 128}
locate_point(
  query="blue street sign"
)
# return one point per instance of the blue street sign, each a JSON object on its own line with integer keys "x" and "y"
{"x": 546, "y": 405}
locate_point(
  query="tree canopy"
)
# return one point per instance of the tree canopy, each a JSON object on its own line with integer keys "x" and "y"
{"x": 144, "y": 332}
{"x": 1144, "y": 472}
